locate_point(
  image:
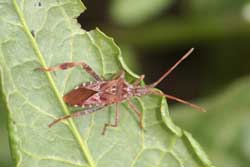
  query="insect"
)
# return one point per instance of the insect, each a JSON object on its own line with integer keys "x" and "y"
{"x": 93, "y": 96}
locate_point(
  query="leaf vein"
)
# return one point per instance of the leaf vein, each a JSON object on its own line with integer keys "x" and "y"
{"x": 142, "y": 135}
{"x": 99, "y": 50}
{"x": 72, "y": 125}
{"x": 54, "y": 158}
{"x": 106, "y": 152}
{"x": 71, "y": 48}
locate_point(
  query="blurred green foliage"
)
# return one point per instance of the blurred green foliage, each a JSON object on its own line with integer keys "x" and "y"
{"x": 215, "y": 8}
{"x": 130, "y": 12}
{"x": 224, "y": 131}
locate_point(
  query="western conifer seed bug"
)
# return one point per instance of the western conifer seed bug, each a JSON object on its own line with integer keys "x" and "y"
{"x": 93, "y": 96}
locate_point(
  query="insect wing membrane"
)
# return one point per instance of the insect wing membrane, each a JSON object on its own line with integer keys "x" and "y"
{"x": 78, "y": 96}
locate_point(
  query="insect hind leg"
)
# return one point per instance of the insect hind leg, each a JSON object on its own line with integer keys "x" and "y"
{"x": 68, "y": 65}
{"x": 74, "y": 115}
{"x": 117, "y": 117}
{"x": 136, "y": 110}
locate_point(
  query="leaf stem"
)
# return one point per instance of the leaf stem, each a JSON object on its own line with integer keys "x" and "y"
{"x": 83, "y": 145}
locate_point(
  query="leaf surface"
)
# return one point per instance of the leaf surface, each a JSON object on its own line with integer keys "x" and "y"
{"x": 43, "y": 33}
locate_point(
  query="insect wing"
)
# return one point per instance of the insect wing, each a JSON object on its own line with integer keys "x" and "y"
{"x": 78, "y": 96}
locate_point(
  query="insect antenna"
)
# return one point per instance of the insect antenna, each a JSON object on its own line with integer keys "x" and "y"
{"x": 170, "y": 96}
{"x": 179, "y": 100}
{"x": 172, "y": 68}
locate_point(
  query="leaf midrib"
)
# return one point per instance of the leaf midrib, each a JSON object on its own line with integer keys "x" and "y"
{"x": 72, "y": 126}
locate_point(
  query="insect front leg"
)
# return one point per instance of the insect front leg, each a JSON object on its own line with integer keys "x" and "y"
{"x": 119, "y": 74}
{"x": 136, "y": 110}
{"x": 138, "y": 81}
{"x": 117, "y": 117}
{"x": 68, "y": 65}
{"x": 73, "y": 115}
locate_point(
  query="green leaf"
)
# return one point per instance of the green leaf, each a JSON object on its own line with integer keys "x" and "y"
{"x": 129, "y": 12}
{"x": 5, "y": 159}
{"x": 43, "y": 33}
{"x": 129, "y": 56}
{"x": 224, "y": 131}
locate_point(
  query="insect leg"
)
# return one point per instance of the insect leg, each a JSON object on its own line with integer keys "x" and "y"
{"x": 136, "y": 110}
{"x": 117, "y": 117}
{"x": 73, "y": 115}
{"x": 138, "y": 81}
{"x": 120, "y": 74}
{"x": 68, "y": 65}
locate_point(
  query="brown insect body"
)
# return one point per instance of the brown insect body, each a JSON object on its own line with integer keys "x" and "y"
{"x": 95, "y": 95}
{"x": 102, "y": 93}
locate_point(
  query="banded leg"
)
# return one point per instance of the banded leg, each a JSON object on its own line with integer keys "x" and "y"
{"x": 74, "y": 115}
{"x": 68, "y": 65}
{"x": 136, "y": 110}
{"x": 117, "y": 117}
{"x": 138, "y": 81}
